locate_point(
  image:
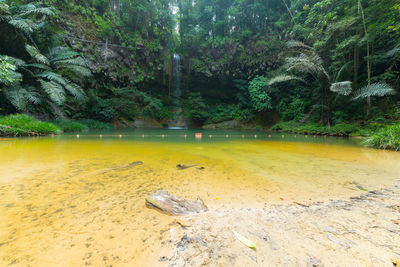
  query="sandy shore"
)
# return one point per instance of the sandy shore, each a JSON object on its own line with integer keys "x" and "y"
{"x": 361, "y": 231}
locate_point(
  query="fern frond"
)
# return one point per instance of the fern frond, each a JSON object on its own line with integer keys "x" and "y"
{"x": 306, "y": 64}
{"x": 341, "y": 26}
{"x": 78, "y": 70}
{"x": 348, "y": 43}
{"x": 75, "y": 90}
{"x": 20, "y": 96}
{"x": 392, "y": 52}
{"x": 78, "y": 61}
{"x": 16, "y": 96}
{"x": 4, "y": 8}
{"x": 35, "y": 53}
{"x": 52, "y": 77}
{"x": 15, "y": 76}
{"x": 38, "y": 66}
{"x": 15, "y": 61}
{"x": 61, "y": 53}
{"x": 32, "y": 95}
{"x": 64, "y": 56}
{"x": 342, "y": 88}
{"x": 375, "y": 89}
{"x": 342, "y": 69}
{"x": 297, "y": 44}
{"x": 54, "y": 90}
{"x": 22, "y": 25}
{"x": 8, "y": 71}
{"x": 39, "y": 11}
{"x": 283, "y": 78}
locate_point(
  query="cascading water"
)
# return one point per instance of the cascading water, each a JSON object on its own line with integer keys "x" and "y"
{"x": 177, "y": 122}
{"x": 176, "y": 78}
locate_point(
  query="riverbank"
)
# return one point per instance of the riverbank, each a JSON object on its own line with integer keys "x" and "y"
{"x": 360, "y": 231}
{"x": 24, "y": 125}
{"x": 376, "y": 135}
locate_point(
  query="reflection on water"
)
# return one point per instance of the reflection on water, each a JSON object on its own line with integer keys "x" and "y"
{"x": 75, "y": 200}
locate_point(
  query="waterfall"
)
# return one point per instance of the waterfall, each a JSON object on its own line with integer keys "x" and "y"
{"x": 176, "y": 79}
{"x": 177, "y": 121}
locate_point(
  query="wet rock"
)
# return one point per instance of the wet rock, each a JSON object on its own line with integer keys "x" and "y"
{"x": 201, "y": 241}
{"x": 233, "y": 124}
{"x": 146, "y": 123}
{"x": 173, "y": 205}
{"x": 314, "y": 262}
{"x": 128, "y": 166}
{"x": 163, "y": 258}
{"x": 121, "y": 167}
{"x": 183, "y": 166}
{"x": 185, "y": 240}
{"x": 183, "y": 223}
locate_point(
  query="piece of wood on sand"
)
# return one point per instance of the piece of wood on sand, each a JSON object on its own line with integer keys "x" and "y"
{"x": 173, "y": 205}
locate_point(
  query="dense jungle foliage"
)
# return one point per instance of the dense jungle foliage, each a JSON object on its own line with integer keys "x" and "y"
{"x": 315, "y": 62}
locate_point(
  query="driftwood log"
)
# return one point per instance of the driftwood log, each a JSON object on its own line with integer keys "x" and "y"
{"x": 173, "y": 205}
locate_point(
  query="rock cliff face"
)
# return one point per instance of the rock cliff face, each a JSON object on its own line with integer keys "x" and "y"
{"x": 146, "y": 123}
{"x": 224, "y": 125}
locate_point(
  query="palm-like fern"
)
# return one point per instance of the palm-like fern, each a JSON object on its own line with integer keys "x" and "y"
{"x": 375, "y": 89}
{"x": 8, "y": 74}
{"x": 56, "y": 72}
{"x": 10, "y": 78}
{"x": 283, "y": 78}
{"x": 341, "y": 88}
{"x": 19, "y": 96}
{"x": 22, "y": 17}
{"x": 309, "y": 62}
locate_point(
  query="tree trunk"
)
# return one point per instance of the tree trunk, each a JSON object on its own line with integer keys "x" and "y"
{"x": 106, "y": 51}
{"x": 369, "y": 64}
{"x": 118, "y": 8}
{"x": 111, "y": 5}
{"x": 290, "y": 13}
{"x": 356, "y": 66}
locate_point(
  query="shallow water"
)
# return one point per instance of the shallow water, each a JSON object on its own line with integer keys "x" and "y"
{"x": 71, "y": 200}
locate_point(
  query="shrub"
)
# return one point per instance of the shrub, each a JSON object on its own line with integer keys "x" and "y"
{"x": 343, "y": 129}
{"x": 259, "y": 98}
{"x": 340, "y": 129}
{"x": 386, "y": 138}
{"x": 20, "y": 124}
{"x": 165, "y": 113}
{"x": 294, "y": 111}
{"x": 70, "y": 126}
{"x": 96, "y": 125}
{"x": 195, "y": 108}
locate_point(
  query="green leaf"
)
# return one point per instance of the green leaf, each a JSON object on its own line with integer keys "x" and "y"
{"x": 244, "y": 240}
{"x": 342, "y": 88}
{"x": 35, "y": 53}
{"x": 376, "y": 89}
{"x": 54, "y": 90}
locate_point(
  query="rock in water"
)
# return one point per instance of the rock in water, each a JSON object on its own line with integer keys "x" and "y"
{"x": 173, "y": 205}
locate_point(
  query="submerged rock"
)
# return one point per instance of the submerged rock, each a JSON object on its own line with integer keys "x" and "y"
{"x": 183, "y": 166}
{"x": 173, "y": 205}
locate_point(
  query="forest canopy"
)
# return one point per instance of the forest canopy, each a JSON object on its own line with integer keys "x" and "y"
{"x": 262, "y": 61}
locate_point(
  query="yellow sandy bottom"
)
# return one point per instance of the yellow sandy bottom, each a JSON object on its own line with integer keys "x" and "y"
{"x": 64, "y": 202}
